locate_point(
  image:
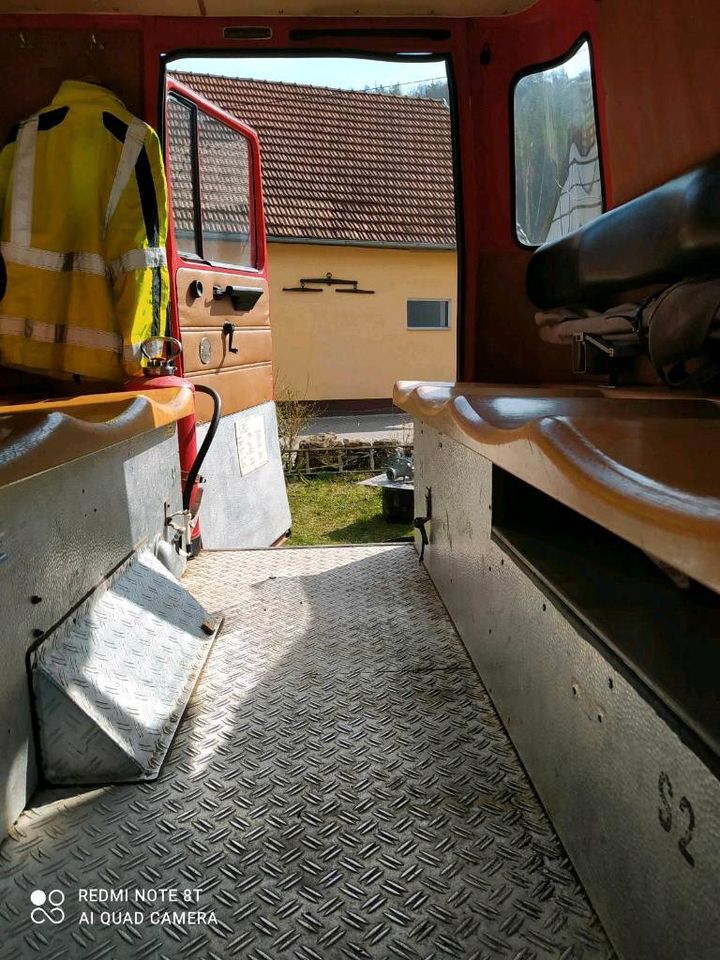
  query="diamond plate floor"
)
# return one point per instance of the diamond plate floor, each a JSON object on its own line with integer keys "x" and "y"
{"x": 340, "y": 787}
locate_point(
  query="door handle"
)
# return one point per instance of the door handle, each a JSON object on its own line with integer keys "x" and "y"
{"x": 243, "y": 299}
{"x": 228, "y": 331}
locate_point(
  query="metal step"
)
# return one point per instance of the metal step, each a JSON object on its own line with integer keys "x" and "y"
{"x": 112, "y": 680}
{"x": 339, "y": 787}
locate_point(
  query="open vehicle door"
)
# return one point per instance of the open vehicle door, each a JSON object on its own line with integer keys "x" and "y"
{"x": 218, "y": 260}
{"x": 218, "y": 270}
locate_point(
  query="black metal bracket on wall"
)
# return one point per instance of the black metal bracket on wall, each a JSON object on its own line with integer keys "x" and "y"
{"x": 348, "y": 286}
{"x": 420, "y": 523}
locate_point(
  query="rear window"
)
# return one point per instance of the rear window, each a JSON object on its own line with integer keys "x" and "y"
{"x": 558, "y": 186}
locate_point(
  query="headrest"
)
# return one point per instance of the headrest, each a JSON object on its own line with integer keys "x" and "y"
{"x": 664, "y": 235}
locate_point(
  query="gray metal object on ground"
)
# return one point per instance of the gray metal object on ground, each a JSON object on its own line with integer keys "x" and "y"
{"x": 340, "y": 788}
{"x": 381, "y": 480}
{"x": 111, "y": 682}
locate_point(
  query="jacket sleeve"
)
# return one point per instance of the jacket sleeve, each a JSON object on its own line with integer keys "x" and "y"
{"x": 135, "y": 248}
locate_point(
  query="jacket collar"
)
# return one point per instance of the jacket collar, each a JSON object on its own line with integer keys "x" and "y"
{"x": 78, "y": 91}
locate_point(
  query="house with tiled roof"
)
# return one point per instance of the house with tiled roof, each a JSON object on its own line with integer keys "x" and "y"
{"x": 358, "y": 188}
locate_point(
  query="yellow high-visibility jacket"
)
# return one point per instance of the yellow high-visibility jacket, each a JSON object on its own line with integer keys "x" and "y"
{"x": 83, "y": 203}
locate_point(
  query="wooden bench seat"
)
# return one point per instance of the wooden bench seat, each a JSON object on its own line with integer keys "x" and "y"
{"x": 35, "y": 437}
{"x": 642, "y": 464}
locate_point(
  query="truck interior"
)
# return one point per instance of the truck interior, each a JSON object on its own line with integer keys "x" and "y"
{"x": 499, "y": 741}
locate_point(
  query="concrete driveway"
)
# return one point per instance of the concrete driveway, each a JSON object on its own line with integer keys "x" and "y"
{"x": 369, "y": 426}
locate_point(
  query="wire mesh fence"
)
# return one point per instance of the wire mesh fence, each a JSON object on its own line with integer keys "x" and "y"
{"x": 342, "y": 457}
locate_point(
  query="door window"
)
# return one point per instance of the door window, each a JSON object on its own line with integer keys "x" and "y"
{"x": 558, "y": 186}
{"x": 181, "y": 150}
{"x": 211, "y": 177}
{"x": 225, "y": 186}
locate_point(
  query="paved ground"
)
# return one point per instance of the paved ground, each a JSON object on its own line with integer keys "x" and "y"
{"x": 368, "y": 426}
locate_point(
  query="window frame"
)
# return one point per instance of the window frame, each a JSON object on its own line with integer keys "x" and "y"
{"x": 185, "y": 255}
{"x": 197, "y": 198}
{"x": 446, "y": 300}
{"x": 540, "y": 68}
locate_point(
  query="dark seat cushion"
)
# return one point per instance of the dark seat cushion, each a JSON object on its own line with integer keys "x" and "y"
{"x": 664, "y": 235}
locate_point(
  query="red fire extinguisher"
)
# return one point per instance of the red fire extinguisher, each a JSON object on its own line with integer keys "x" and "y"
{"x": 160, "y": 370}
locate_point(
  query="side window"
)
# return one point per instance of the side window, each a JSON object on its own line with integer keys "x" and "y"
{"x": 225, "y": 185}
{"x": 210, "y": 176}
{"x": 557, "y": 165}
{"x": 428, "y": 314}
{"x": 181, "y": 150}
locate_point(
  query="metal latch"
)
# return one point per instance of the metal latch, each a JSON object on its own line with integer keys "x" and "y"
{"x": 420, "y": 523}
{"x": 228, "y": 331}
{"x": 181, "y": 523}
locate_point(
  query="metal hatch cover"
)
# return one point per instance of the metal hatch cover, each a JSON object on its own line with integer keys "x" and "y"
{"x": 340, "y": 788}
{"x": 112, "y": 680}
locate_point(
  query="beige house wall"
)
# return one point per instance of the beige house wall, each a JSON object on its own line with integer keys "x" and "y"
{"x": 332, "y": 346}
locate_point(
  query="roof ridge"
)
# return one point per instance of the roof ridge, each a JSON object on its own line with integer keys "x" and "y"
{"x": 403, "y": 98}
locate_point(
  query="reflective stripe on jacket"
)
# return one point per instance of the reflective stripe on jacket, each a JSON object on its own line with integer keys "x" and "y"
{"x": 84, "y": 223}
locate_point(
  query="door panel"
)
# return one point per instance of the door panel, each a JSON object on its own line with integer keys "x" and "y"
{"x": 206, "y": 350}
{"x": 235, "y": 386}
{"x": 217, "y": 215}
{"x": 205, "y": 311}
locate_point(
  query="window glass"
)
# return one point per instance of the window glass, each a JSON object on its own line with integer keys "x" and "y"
{"x": 428, "y": 314}
{"x": 180, "y": 143}
{"x": 225, "y": 186}
{"x": 557, "y": 166}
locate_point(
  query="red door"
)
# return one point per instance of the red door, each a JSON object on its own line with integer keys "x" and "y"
{"x": 217, "y": 250}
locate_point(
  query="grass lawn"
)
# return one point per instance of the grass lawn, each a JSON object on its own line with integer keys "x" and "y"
{"x": 332, "y": 509}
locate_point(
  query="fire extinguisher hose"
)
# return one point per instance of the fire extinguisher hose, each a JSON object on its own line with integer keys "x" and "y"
{"x": 209, "y": 437}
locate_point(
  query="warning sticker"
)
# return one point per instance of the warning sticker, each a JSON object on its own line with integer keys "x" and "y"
{"x": 251, "y": 443}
